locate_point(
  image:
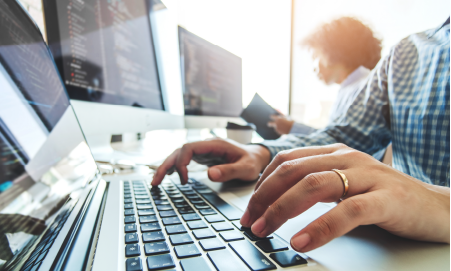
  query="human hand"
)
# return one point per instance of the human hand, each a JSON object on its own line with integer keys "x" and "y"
{"x": 378, "y": 194}
{"x": 281, "y": 124}
{"x": 239, "y": 161}
{"x": 13, "y": 223}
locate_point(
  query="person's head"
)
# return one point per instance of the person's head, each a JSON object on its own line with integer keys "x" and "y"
{"x": 340, "y": 47}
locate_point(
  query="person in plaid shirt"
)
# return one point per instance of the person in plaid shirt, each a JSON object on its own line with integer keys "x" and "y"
{"x": 406, "y": 100}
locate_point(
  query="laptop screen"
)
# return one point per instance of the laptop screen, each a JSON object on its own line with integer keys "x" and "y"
{"x": 43, "y": 155}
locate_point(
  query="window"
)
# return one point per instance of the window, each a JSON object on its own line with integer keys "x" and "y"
{"x": 391, "y": 20}
{"x": 258, "y": 31}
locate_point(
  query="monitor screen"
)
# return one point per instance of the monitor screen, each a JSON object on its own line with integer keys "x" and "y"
{"x": 104, "y": 51}
{"x": 211, "y": 76}
{"x": 43, "y": 155}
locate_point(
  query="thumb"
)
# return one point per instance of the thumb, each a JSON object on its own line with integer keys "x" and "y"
{"x": 227, "y": 172}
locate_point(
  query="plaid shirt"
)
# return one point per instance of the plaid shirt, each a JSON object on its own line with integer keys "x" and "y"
{"x": 406, "y": 101}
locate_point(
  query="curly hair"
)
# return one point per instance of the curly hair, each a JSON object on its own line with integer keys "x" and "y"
{"x": 346, "y": 41}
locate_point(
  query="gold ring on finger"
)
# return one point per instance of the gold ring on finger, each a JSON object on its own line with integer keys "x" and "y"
{"x": 344, "y": 179}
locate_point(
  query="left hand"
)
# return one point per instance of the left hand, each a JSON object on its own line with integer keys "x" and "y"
{"x": 378, "y": 194}
{"x": 281, "y": 124}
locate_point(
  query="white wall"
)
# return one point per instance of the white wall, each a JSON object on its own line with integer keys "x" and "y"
{"x": 390, "y": 19}
{"x": 258, "y": 31}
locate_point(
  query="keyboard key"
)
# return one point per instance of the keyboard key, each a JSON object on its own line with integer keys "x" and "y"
{"x": 131, "y": 238}
{"x": 230, "y": 236}
{"x": 176, "y": 229}
{"x": 185, "y": 210}
{"x": 211, "y": 244}
{"x": 201, "y": 206}
{"x": 167, "y": 213}
{"x": 194, "y": 264}
{"x": 127, "y": 196}
{"x": 160, "y": 261}
{"x": 129, "y": 212}
{"x": 128, "y": 200}
{"x": 287, "y": 258}
{"x": 171, "y": 220}
{"x": 143, "y": 201}
{"x": 154, "y": 236}
{"x": 146, "y": 212}
{"x": 178, "y": 201}
{"x": 129, "y": 219}
{"x": 156, "y": 248}
{"x": 198, "y": 224}
{"x": 148, "y": 219}
{"x": 130, "y": 228}
{"x": 208, "y": 211}
{"x": 271, "y": 245}
{"x": 190, "y": 217}
{"x": 194, "y": 198}
{"x": 132, "y": 250}
{"x": 164, "y": 207}
{"x": 176, "y": 197}
{"x": 186, "y": 251}
{"x": 180, "y": 239}
{"x": 204, "y": 191}
{"x": 128, "y": 206}
{"x": 133, "y": 264}
{"x": 202, "y": 234}
{"x": 181, "y": 204}
{"x": 223, "y": 226}
{"x": 197, "y": 201}
{"x": 253, "y": 237}
{"x": 144, "y": 206}
{"x": 227, "y": 210}
{"x": 141, "y": 192}
{"x": 214, "y": 218}
{"x": 237, "y": 224}
{"x": 142, "y": 197}
{"x": 150, "y": 227}
{"x": 224, "y": 260}
{"x": 161, "y": 202}
{"x": 251, "y": 256}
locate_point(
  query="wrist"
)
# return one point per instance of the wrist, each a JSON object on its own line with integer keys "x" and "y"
{"x": 261, "y": 154}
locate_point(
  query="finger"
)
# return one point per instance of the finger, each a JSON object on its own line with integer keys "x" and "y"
{"x": 165, "y": 168}
{"x": 272, "y": 124}
{"x": 289, "y": 173}
{"x": 362, "y": 209}
{"x": 288, "y": 155}
{"x": 227, "y": 172}
{"x": 216, "y": 147}
{"x": 324, "y": 186}
{"x": 274, "y": 117}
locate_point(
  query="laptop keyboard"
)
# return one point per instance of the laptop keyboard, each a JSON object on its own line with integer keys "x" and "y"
{"x": 40, "y": 252}
{"x": 190, "y": 226}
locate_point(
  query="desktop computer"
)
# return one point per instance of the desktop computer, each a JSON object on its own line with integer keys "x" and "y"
{"x": 212, "y": 83}
{"x": 106, "y": 53}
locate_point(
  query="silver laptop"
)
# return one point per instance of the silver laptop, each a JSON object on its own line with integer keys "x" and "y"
{"x": 56, "y": 211}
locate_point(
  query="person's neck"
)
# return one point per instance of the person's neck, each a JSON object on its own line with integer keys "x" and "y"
{"x": 343, "y": 74}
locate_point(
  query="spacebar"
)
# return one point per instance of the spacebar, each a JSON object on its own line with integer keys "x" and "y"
{"x": 227, "y": 210}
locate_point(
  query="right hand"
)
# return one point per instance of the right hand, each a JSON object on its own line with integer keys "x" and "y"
{"x": 244, "y": 162}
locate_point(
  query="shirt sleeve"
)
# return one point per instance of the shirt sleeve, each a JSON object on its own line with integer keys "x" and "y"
{"x": 365, "y": 125}
{"x": 299, "y": 128}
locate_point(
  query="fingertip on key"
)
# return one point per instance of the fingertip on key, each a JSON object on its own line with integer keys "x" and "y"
{"x": 300, "y": 242}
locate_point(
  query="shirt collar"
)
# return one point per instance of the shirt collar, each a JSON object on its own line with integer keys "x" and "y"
{"x": 438, "y": 28}
{"x": 355, "y": 76}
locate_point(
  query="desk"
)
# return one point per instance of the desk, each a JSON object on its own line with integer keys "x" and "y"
{"x": 364, "y": 248}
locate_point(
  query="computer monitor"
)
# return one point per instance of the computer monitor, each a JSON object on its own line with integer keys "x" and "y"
{"x": 212, "y": 83}
{"x": 106, "y": 56}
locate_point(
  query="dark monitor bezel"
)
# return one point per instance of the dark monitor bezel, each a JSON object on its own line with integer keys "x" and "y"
{"x": 182, "y": 70}
{"x": 51, "y": 24}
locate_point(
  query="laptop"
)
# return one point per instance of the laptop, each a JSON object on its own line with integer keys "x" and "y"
{"x": 58, "y": 213}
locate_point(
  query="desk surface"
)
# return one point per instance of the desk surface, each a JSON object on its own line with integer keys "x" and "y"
{"x": 364, "y": 248}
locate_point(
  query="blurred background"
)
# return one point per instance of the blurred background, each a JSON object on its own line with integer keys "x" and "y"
{"x": 259, "y": 31}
